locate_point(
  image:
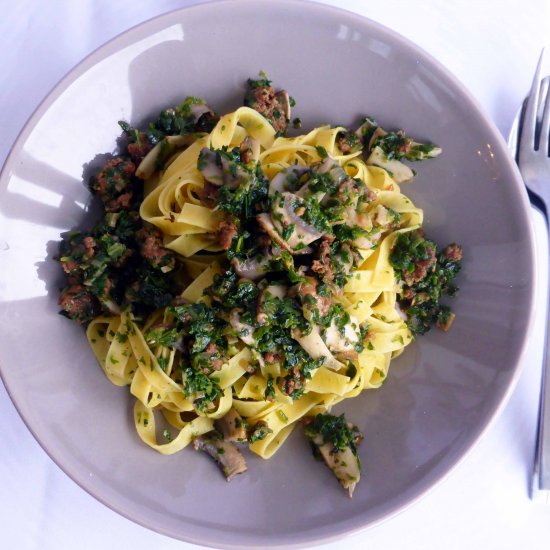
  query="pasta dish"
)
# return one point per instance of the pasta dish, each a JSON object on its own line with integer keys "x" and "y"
{"x": 243, "y": 281}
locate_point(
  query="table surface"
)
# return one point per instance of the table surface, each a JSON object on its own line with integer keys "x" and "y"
{"x": 492, "y": 47}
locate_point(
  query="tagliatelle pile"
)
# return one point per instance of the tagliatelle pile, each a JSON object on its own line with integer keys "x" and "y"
{"x": 247, "y": 381}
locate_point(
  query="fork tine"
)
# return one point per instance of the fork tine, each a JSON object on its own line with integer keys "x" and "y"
{"x": 527, "y": 138}
{"x": 545, "y": 127}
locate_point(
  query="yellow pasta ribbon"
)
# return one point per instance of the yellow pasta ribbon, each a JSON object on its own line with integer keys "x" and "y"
{"x": 190, "y": 229}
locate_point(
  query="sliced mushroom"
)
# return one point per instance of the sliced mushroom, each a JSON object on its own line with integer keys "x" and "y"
{"x": 219, "y": 170}
{"x": 150, "y": 162}
{"x": 398, "y": 171}
{"x": 265, "y": 222}
{"x": 111, "y": 306}
{"x": 344, "y": 465}
{"x": 381, "y": 216}
{"x": 283, "y": 100}
{"x": 338, "y": 174}
{"x": 343, "y": 344}
{"x": 407, "y": 148}
{"x": 325, "y": 166}
{"x": 371, "y": 131}
{"x": 336, "y": 441}
{"x": 244, "y": 331}
{"x": 446, "y": 326}
{"x": 209, "y": 167}
{"x": 377, "y": 133}
{"x": 200, "y": 109}
{"x": 249, "y": 150}
{"x": 225, "y": 453}
{"x": 234, "y": 174}
{"x": 311, "y": 301}
{"x": 276, "y": 291}
{"x": 365, "y": 131}
{"x": 328, "y": 166}
{"x": 346, "y": 257}
{"x": 316, "y": 348}
{"x": 286, "y": 178}
{"x": 284, "y": 214}
{"x": 372, "y": 234}
{"x": 255, "y": 267}
{"x": 251, "y": 268}
{"x": 232, "y": 426}
{"x": 422, "y": 151}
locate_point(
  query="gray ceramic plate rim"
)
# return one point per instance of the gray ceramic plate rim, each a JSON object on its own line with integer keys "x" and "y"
{"x": 140, "y": 30}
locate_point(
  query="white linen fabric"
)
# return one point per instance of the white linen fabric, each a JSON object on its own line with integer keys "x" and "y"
{"x": 492, "y": 47}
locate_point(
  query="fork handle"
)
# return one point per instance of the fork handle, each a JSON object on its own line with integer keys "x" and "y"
{"x": 541, "y": 476}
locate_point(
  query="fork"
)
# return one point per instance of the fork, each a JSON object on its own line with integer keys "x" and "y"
{"x": 534, "y": 165}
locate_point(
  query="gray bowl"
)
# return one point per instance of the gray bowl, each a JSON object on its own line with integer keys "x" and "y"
{"x": 441, "y": 394}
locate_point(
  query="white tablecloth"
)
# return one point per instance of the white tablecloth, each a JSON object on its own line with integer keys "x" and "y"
{"x": 492, "y": 47}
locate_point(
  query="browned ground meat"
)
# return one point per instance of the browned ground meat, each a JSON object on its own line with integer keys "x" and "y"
{"x": 347, "y": 141}
{"x": 90, "y": 244}
{"x": 245, "y": 150}
{"x": 151, "y": 248}
{"x": 70, "y": 266}
{"x": 269, "y": 104}
{"x": 408, "y": 294}
{"x": 113, "y": 184}
{"x": 105, "y": 292}
{"x": 128, "y": 253}
{"x": 323, "y": 266}
{"x": 344, "y": 144}
{"x": 79, "y": 304}
{"x": 272, "y": 357}
{"x": 421, "y": 268}
{"x": 208, "y": 194}
{"x": 453, "y": 252}
{"x": 120, "y": 203}
{"x": 406, "y": 147}
{"x": 139, "y": 149}
{"x": 131, "y": 292}
{"x": 322, "y": 303}
{"x": 211, "y": 359}
{"x": 264, "y": 240}
{"x": 370, "y": 194}
{"x": 74, "y": 252}
{"x": 226, "y": 232}
{"x": 347, "y": 187}
{"x": 290, "y": 385}
{"x": 216, "y": 362}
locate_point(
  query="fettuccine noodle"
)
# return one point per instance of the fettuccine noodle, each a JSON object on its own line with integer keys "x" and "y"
{"x": 369, "y": 296}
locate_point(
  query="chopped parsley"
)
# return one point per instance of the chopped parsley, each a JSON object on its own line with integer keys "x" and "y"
{"x": 427, "y": 276}
{"x": 203, "y": 390}
{"x": 260, "y": 431}
{"x": 334, "y": 430}
{"x": 162, "y": 336}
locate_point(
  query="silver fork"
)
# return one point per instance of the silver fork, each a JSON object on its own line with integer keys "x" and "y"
{"x": 534, "y": 164}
